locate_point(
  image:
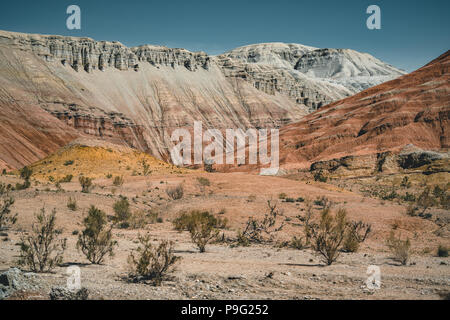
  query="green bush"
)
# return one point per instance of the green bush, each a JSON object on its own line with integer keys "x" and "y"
{"x": 202, "y": 226}
{"x": 328, "y": 235}
{"x": 42, "y": 250}
{"x": 86, "y": 184}
{"x": 95, "y": 241}
{"x": 122, "y": 210}
{"x": 6, "y": 219}
{"x": 150, "y": 262}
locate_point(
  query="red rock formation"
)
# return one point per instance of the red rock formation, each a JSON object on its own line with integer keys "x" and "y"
{"x": 413, "y": 109}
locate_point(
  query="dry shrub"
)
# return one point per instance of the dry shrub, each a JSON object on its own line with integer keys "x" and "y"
{"x": 6, "y": 219}
{"x": 118, "y": 181}
{"x": 42, "y": 250}
{"x": 202, "y": 226}
{"x": 95, "y": 241}
{"x": 150, "y": 262}
{"x": 72, "y": 204}
{"x": 140, "y": 219}
{"x": 259, "y": 231}
{"x": 86, "y": 184}
{"x": 357, "y": 233}
{"x": 122, "y": 212}
{"x": 400, "y": 249}
{"x": 176, "y": 192}
{"x": 328, "y": 235}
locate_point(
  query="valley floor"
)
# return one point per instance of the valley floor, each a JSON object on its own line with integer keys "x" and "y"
{"x": 227, "y": 272}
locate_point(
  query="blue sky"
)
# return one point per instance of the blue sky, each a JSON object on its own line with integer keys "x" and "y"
{"x": 412, "y": 34}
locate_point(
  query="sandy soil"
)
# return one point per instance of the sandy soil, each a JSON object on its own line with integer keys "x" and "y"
{"x": 227, "y": 272}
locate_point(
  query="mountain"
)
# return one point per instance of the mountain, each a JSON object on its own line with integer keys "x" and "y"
{"x": 55, "y": 89}
{"x": 403, "y": 122}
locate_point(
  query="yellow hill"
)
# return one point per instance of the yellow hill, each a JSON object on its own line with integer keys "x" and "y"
{"x": 99, "y": 160}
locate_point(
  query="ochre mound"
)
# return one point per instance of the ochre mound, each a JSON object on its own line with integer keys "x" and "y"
{"x": 97, "y": 160}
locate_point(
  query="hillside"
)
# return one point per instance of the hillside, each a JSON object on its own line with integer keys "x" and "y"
{"x": 55, "y": 89}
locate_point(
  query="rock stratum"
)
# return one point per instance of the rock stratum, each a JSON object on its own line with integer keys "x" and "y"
{"x": 54, "y": 89}
{"x": 400, "y": 124}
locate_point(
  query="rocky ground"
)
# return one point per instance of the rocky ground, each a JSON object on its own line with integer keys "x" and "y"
{"x": 225, "y": 271}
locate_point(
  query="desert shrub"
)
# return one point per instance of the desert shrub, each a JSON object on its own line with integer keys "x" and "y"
{"x": 122, "y": 210}
{"x": 323, "y": 202}
{"x": 145, "y": 168}
{"x": 139, "y": 219}
{"x": 425, "y": 200}
{"x": 25, "y": 173}
{"x": 297, "y": 243}
{"x": 3, "y": 172}
{"x": 390, "y": 196}
{"x": 118, "y": 181}
{"x": 150, "y": 262}
{"x": 409, "y": 197}
{"x": 203, "y": 227}
{"x": 357, "y": 233}
{"x": 72, "y": 204}
{"x": 176, "y": 192}
{"x": 319, "y": 176}
{"x": 86, "y": 184}
{"x": 42, "y": 250}
{"x": 204, "y": 182}
{"x": 6, "y": 219}
{"x": 258, "y": 231}
{"x": 328, "y": 235}
{"x": 109, "y": 176}
{"x": 95, "y": 241}
{"x": 400, "y": 249}
{"x": 289, "y": 200}
{"x": 442, "y": 251}
{"x": 68, "y": 162}
{"x": 282, "y": 196}
{"x": 66, "y": 178}
{"x": 300, "y": 199}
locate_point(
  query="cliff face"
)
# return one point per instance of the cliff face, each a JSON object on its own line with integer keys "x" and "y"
{"x": 366, "y": 130}
{"x": 138, "y": 96}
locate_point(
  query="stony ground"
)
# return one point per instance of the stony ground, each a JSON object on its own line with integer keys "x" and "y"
{"x": 224, "y": 271}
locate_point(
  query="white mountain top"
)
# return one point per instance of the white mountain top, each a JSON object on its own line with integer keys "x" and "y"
{"x": 276, "y": 54}
{"x": 352, "y": 69}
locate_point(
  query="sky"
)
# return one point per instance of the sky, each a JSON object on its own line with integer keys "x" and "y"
{"x": 413, "y": 32}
